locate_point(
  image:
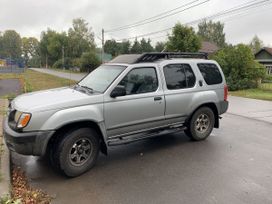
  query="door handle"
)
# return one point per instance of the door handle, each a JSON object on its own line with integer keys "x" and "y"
{"x": 158, "y": 98}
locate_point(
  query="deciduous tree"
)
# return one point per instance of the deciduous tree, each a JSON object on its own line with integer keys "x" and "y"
{"x": 183, "y": 39}
{"x": 212, "y": 32}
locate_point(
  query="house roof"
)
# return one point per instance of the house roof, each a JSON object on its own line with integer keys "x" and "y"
{"x": 208, "y": 47}
{"x": 267, "y": 49}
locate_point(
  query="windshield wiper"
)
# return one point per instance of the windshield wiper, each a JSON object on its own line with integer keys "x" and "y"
{"x": 85, "y": 87}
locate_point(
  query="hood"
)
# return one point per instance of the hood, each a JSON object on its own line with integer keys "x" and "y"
{"x": 59, "y": 98}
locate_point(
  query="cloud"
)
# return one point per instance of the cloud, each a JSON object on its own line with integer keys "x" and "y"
{"x": 30, "y": 17}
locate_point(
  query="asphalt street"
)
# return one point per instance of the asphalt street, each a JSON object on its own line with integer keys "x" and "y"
{"x": 66, "y": 75}
{"x": 233, "y": 165}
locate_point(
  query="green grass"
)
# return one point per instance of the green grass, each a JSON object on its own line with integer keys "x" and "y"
{"x": 264, "y": 92}
{"x": 64, "y": 70}
{"x": 35, "y": 81}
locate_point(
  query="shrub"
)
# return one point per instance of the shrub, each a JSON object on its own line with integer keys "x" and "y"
{"x": 89, "y": 61}
{"x": 59, "y": 63}
{"x": 239, "y": 67}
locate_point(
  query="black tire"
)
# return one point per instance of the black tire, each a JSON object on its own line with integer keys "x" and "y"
{"x": 71, "y": 154}
{"x": 201, "y": 124}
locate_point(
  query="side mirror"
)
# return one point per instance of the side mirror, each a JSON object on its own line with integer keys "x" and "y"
{"x": 118, "y": 91}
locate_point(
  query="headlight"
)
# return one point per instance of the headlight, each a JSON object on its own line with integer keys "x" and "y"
{"x": 17, "y": 116}
{"x": 23, "y": 120}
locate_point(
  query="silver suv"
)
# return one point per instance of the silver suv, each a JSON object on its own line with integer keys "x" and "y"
{"x": 131, "y": 98}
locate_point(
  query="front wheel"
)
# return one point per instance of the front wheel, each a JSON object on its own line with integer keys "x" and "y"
{"x": 76, "y": 152}
{"x": 201, "y": 124}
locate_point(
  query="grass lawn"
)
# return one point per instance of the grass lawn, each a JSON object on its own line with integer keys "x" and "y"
{"x": 35, "y": 81}
{"x": 263, "y": 93}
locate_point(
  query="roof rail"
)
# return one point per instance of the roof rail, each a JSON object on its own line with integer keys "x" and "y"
{"x": 153, "y": 56}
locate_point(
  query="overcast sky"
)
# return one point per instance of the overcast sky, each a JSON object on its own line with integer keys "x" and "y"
{"x": 30, "y": 17}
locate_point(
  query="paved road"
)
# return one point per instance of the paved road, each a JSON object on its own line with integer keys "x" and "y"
{"x": 251, "y": 108}
{"x": 73, "y": 76}
{"x": 233, "y": 166}
{"x": 10, "y": 86}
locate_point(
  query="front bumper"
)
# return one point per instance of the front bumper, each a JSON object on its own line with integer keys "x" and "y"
{"x": 27, "y": 143}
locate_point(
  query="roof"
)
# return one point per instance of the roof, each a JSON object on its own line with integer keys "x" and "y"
{"x": 208, "y": 47}
{"x": 155, "y": 56}
{"x": 267, "y": 49}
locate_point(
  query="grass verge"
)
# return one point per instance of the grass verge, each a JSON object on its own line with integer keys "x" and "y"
{"x": 35, "y": 81}
{"x": 264, "y": 92}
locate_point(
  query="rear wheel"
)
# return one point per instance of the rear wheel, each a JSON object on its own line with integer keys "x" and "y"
{"x": 76, "y": 152}
{"x": 201, "y": 124}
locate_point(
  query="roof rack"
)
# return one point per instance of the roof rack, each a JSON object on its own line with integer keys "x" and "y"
{"x": 154, "y": 56}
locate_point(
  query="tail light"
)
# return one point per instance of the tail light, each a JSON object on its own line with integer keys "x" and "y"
{"x": 225, "y": 92}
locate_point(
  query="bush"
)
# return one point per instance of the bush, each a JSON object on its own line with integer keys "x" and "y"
{"x": 239, "y": 67}
{"x": 89, "y": 61}
{"x": 59, "y": 63}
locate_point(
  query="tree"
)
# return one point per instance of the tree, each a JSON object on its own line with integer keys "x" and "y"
{"x": 52, "y": 45}
{"x": 160, "y": 46}
{"x": 256, "y": 44}
{"x": 124, "y": 47}
{"x": 81, "y": 38}
{"x": 183, "y": 39}
{"x": 136, "y": 47}
{"x": 146, "y": 45}
{"x": 89, "y": 61}
{"x": 212, "y": 32}
{"x": 239, "y": 67}
{"x": 111, "y": 47}
{"x": 11, "y": 44}
{"x": 30, "y": 49}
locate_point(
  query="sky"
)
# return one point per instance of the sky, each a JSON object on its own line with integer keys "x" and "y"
{"x": 30, "y": 17}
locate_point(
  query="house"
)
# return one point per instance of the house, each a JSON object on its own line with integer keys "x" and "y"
{"x": 208, "y": 47}
{"x": 264, "y": 56}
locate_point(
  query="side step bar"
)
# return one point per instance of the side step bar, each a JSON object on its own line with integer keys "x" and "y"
{"x": 135, "y": 138}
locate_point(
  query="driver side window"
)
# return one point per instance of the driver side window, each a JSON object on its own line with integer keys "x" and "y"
{"x": 140, "y": 80}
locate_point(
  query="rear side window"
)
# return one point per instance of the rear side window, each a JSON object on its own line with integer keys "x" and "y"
{"x": 210, "y": 73}
{"x": 179, "y": 76}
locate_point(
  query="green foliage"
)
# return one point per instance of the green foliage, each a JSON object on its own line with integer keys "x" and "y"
{"x": 89, "y": 61}
{"x": 136, "y": 47}
{"x": 124, "y": 47}
{"x": 256, "y": 44}
{"x": 30, "y": 49}
{"x": 160, "y": 46}
{"x": 112, "y": 47}
{"x": 212, "y": 32}
{"x": 183, "y": 39}
{"x": 10, "y": 44}
{"x": 8, "y": 200}
{"x": 146, "y": 45}
{"x": 239, "y": 67}
{"x": 80, "y": 37}
{"x": 59, "y": 63}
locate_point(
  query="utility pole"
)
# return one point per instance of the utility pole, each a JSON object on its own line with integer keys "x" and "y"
{"x": 63, "y": 57}
{"x": 102, "y": 57}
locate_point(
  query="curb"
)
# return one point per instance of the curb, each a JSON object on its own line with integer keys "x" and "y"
{"x": 5, "y": 171}
{"x": 4, "y": 164}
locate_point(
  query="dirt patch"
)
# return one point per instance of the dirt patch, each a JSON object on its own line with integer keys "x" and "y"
{"x": 10, "y": 87}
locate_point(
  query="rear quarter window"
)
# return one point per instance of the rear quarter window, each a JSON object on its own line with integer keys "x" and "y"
{"x": 210, "y": 73}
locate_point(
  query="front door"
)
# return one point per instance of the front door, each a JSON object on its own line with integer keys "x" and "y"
{"x": 142, "y": 108}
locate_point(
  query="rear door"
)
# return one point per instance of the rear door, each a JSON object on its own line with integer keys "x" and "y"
{"x": 179, "y": 88}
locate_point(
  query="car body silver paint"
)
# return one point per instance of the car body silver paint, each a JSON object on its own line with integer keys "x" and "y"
{"x": 120, "y": 115}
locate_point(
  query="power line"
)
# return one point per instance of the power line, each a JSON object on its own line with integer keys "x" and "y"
{"x": 229, "y": 18}
{"x": 246, "y": 6}
{"x": 159, "y": 16}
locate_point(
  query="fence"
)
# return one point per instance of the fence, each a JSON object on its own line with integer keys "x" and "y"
{"x": 11, "y": 69}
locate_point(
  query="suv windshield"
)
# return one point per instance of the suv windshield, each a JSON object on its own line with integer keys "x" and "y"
{"x": 101, "y": 78}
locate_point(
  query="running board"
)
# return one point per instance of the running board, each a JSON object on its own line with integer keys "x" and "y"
{"x": 135, "y": 138}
